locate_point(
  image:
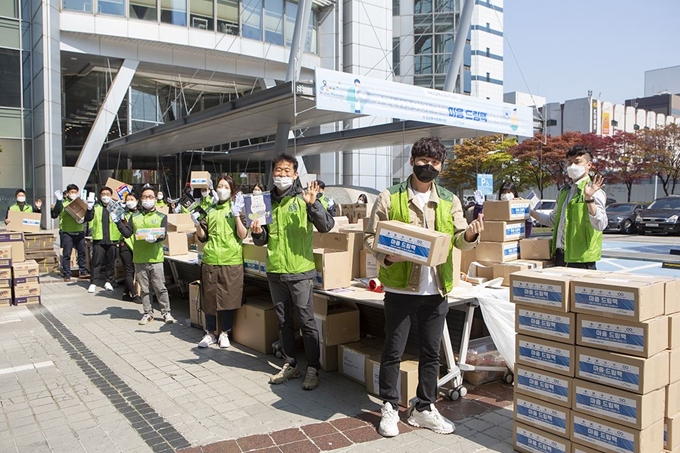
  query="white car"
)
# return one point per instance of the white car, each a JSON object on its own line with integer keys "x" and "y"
{"x": 545, "y": 206}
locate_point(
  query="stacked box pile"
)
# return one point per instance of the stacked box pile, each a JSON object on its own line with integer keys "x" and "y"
{"x": 40, "y": 247}
{"x": 593, "y": 367}
{"x": 26, "y": 282}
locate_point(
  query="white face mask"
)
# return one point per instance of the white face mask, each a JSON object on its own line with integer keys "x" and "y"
{"x": 148, "y": 204}
{"x": 205, "y": 193}
{"x": 106, "y": 199}
{"x": 160, "y": 196}
{"x": 131, "y": 204}
{"x": 257, "y": 192}
{"x": 575, "y": 172}
{"x": 283, "y": 182}
{"x": 21, "y": 199}
{"x": 507, "y": 196}
{"x": 73, "y": 196}
{"x": 223, "y": 194}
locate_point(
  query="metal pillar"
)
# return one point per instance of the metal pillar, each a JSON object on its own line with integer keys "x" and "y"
{"x": 297, "y": 47}
{"x": 459, "y": 45}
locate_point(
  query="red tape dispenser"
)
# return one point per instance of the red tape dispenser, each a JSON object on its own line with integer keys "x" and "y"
{"x": 375, "y": 286}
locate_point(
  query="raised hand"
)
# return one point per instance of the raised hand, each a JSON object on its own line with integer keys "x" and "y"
{"x": 38, "y": 203}
{"x": 474, "y": 228}
{"x": 309, "y": 195}
{"x": 596, "y": 184}
{"x": 255, "y": 227}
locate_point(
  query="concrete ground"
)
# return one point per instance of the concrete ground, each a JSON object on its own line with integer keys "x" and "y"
{"x": 78, "y": 374}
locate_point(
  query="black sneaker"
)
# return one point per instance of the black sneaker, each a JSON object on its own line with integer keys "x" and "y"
{"x": 127, "y": 298}
{"x": 137, "y": 299}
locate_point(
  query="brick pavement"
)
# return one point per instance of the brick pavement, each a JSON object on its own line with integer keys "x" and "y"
{"x": 79, "y": 375}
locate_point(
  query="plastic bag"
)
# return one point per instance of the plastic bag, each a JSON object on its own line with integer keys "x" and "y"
{"x": 483, "y": 352}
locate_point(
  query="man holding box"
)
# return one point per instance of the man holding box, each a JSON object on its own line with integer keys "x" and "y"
{"x": 21, "y": 206}
{"x": 414, "y": 291}
{"x": 580, "y": 215}
{"x": 72, "y": 232}
{"x": 148, "y": 228}
{"x": 290, "y": 265}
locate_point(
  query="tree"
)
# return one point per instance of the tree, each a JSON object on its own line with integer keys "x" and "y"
{"x": 622, "y": 160}
{"x": 662, "y": 153}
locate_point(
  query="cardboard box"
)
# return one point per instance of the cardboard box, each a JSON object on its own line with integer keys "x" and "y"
{"x": 618, "y": 297}
{"x": 5, "y": 273}
{"x": 542, "y": 323}
{"x": 25, "y": 222}
{"x": 5, "y": 252}
{"x": 535, "y": 248}
{"x": 498, "y": 231}
{"x": 351, "y": 242}
{"x": 674, "y": 361}
{"x": 25, "y": 269}
{"x": 619, "y": 406}
{"x": 545, "y": 355}
{"x": 635, "y": 374}
{"x": 337, "y": 322}
{"x": 175, "y": 244}
{"x": 467, "y": 257}
{"x": 77, "y": 209}
{"x": 368, "y": 265}
{"x": 674, "y": 330}
{"x": 544, "y": 385}
{"x": 180, "y": 223}
{"x": 407, "y": 381}
{"x": 340, "y": 223}
{"x": 506, "y": 210}
{"x": 256, "y": 326}
{"x": 352, "y": 360}
{"x": 542, "y": 415}
{"x": 671, "y": 289}
{"x": 120, "y": 189}
{"x": 497, "y": 252}
{"x": 26, "y": 282}
{"x": 528, "y": 439}
{"x": 328, "y": 357}
{"x": 254, "y": 259}
{"x": 672, "y": 398}
{"x": 200, "y": 179}
{"x": 541, "y": 289}
{"x": 5, "y": 282}
{"x": 616, "y": 438}
{"x": 27, "y": 291}
{"x": 27, "y": 300}
{"x": 16, "y": 241}
{"x": 332, "y": 270}
{"x": 671, "y": 432}
{"x": 642, "y": 339}
{"x": 195, "y": 312}
{"x": 576, "y": 448}
{"x": 503, "y": 270}
{"x": 357, "y": 211}
{"x": 419, "y": 245}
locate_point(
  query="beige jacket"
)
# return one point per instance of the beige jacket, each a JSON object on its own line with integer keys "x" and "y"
{"x": 380, "y": 212}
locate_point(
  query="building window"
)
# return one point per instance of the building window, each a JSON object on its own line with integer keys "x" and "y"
{"x": 488, "y": 52}
{"x": 227, "y": 16}
{"x": 144, "y": 10}
{"x": 174, "y": 12}
{"x": 396, "y": 58}
{"x": 273, "y": 21}
{"x": 8, "y": 8}
{"x": 9, "y": 33}
{"x": 443, "y": 6}
{"x": 113, "y": 7}
{"x": 83, "y": 6}
{"x": 395, "y": 7}
{"x": 488, "y": 77}
{"x": 201, "y": 16}
{"x": 251, "y": 18}
{"x": 422, "y": 6}
{"x": 10, "y": 78}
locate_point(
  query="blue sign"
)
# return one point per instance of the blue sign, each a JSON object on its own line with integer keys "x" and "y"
{"x": 485, "y": 183}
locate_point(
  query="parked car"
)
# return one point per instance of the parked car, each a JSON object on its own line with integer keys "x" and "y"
{"x": 622, "y": 217}
{"x": 662, "y": 216}
{"x": 544, "y": 206}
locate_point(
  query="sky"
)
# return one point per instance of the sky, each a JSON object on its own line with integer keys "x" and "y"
{"x": 566, "y": 47}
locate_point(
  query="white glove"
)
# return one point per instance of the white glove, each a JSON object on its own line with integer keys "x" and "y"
{"x": 194, "y": 218}
{"x": 59, "y": 195}
{"x": 215, "y": 198}
{"x": 479, "y": 197}
{"x": 238, "y": 205}
{"x": 150, "y": 239}
{"x": 210, "y": 184}
{"x": 113, "y": 217}
{"x": 90, "y": 205}
{"x": 178, "y": 208}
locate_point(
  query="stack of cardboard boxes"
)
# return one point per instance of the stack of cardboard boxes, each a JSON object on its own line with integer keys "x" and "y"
{"x": 40, "y": 248}
{"x": 19, "y": 279}
{"x": 355, "y": 211}
{"x": 593, "y": 370}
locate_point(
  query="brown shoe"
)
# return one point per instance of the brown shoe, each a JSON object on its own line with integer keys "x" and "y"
{"x": 84, "y": 277}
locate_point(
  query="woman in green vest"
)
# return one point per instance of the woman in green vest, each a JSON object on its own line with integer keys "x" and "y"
{"x": 21, "y": 206}
{"x": 125, "y": 250}
{"x": 160, "y": 200}
{"x": 105, "y": 239}
{"x": 414, "y": 291}
{"x": 222, "y": 231}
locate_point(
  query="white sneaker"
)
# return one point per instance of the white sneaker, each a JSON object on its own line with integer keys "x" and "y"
{"x": 92, "y": 288}
{"x": 207, "y": 340}
{"x": 108, "y": 286}
{"x": 431, "y": 419}
{"x": 146, "y": 319}
{"x": 224, "y": 340}
{"x": 168, "y": 318}
{"x": 389, "y": 421}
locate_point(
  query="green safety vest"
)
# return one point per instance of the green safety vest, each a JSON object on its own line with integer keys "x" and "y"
{"x": 144, "y": 251}
{"x": 582, "y": 243}
{"x": 290, "y": 248}
{"x": 397, "y": 274}
{"x": 224, "y": 246}
{"x": 97, "y": 224}
{"x": 15, "y": 207}
{"x": 130, "y": 242}
{"x": 324, "y": 201}
{"x": 161, "y": 204}
{"x": 66, "y": 223}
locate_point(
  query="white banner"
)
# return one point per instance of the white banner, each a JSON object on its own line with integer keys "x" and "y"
{"x": 344, "y": 92}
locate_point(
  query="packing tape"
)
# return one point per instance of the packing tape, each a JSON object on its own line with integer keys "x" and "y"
{"x": 375, "y": 285}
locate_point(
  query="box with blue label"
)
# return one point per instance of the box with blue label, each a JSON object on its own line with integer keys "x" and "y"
{"x": 542, "y": 415}
{"x": 619, "y": 406}
{"x": 507, "y": 211}
{"x": 200, "y": 179}
{"x": 618, "y": 296}
{"x": 609, "y": 437}
{"x": 332, "y": 269}
{"x": 254, "y": 259}
{"x": 635, "y": 374}
{"x": 497, "y": 252}
{"x": 499, "y": 231}
{"x": 416, "y": 244}
{"x": 541, "y": 288}
{"x": 24, "y": 222}
{"x": 503, "y": 270}
{"x": 542, "y": 323}
{"x": 528, "y": 439}
{"x": 545, "y": 355}
{"x": 544, "y": 385}
{"x": 576, "y": 448}
{"x": 671, "y": 287}
{"x": 642, "y": 339}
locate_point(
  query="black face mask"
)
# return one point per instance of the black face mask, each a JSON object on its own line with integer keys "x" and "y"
{"x": 425, "y": 173}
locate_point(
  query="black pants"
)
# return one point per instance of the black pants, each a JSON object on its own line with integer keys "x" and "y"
{"x": 400, "y": 311}
{"x": 68, "y": 242}
{"x": 226, "y": 321}
{"x": 559, "y": 261}
{"x": 103, "y": 256}
{"x": 295, "y": 298}
{"x": 126, "y": 257}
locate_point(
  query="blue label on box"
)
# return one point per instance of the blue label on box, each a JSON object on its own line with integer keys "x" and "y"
{"x": 519, "y": 210}
{"x": 611, "y": 337}
{"x": 544, "y": 325}
{"x": 549, "y": 357}
{"x": 609, "y": 374}
{"x": 606, "y": 406}
{"x": 511, "y": 251}
{"x": 603, "y": 435}
{"x": 537, "y": 294}
{"x": 404, "y": 246}
{"x": 514, "y": 230}
{"x": 536, "y": 444}
{"x": 541, "y": 386}
{"x": 543, "y": 417}
{"x": 594, "y": 302}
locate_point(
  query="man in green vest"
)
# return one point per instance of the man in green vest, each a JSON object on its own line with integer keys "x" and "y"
{"x": 580, "y": 215}
{"x": 105, "y": 239}
{"x": 148, "y": 227}
{"x": 290, "y": 264}
{"x": 22, "y": 206}
{"x": 414, "y": 291}
{"x": 72, "y": 232}
{"x": 327, "y": 202}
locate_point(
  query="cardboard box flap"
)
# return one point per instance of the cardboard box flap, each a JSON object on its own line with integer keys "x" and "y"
{"x": 334, "y": 241}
